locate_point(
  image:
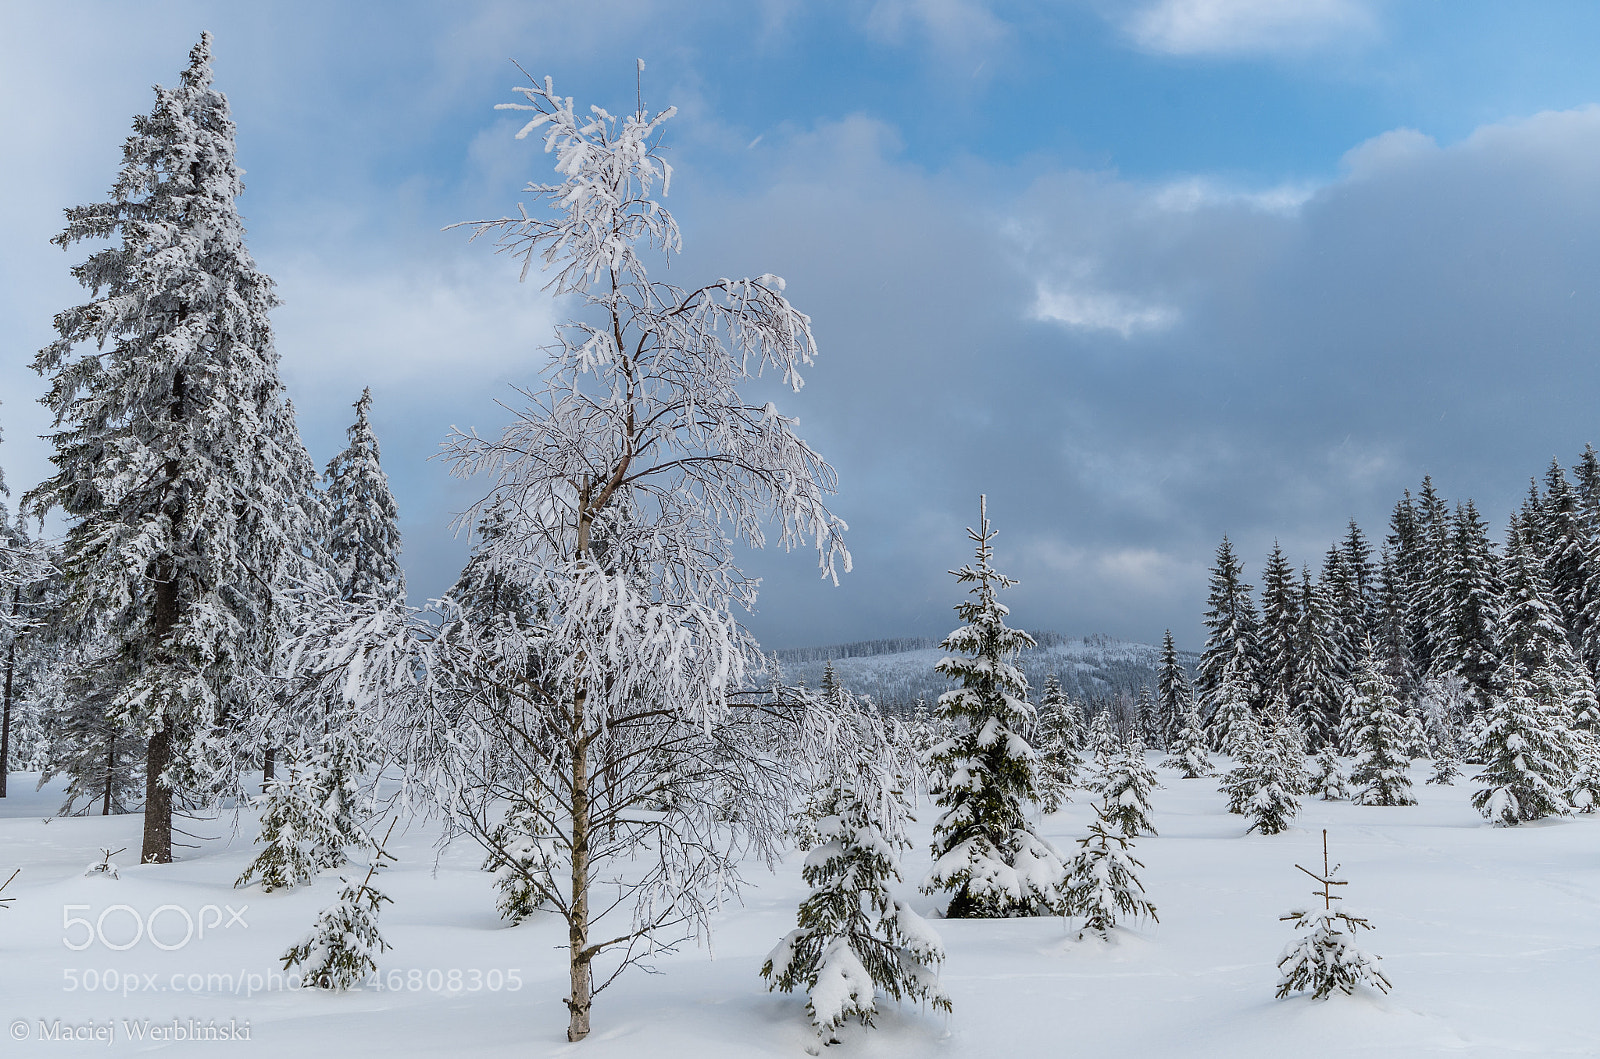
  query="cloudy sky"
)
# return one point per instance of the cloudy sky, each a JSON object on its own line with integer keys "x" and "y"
{"x": 1144, "y": 272}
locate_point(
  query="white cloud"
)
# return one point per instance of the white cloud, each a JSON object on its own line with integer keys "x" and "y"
{"x": 1242, "y": 27}
{"x": 1197, "y": 193}
{"x": 964, "y": 29}
{"x": 1092, "y": 310}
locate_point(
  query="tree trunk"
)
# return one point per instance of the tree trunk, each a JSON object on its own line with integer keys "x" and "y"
{"x": 269, "y": 762}
{"x": 578, "y": 923}
{"x": 5, "y": 714}
{"x": 111, "y": 774}
{"x": 157, "y": 847}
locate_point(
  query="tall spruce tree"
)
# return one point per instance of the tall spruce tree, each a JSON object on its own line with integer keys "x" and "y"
{"x": 1280, "y": 628}
{"x": 1375, "y": 730}
{"x": 986, "y": 852}
{"x": 1231, "y": 660}
{"x": 174, "y": 455}
{"x": 1466, "y": 604}
{"x": 1322, "y": 668}
{"x": 364, "y": 540}
{"x": 1174, "y": 696}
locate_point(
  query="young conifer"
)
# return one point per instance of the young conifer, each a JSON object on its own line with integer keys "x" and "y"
{"x": 1102, "y": 887}
{"x": 985, "y": 849}
{"x": 1322, "y": 958}
{"x": 365, "y": 539}
{"x": 854, "y": 938}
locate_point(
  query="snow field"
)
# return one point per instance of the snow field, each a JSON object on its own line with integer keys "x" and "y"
{"x": 1490, "y": 936}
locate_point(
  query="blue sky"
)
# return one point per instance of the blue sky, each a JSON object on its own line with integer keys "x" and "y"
{"x": 1145, "y": 272}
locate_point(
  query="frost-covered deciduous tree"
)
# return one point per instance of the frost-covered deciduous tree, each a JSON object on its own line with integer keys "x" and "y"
{"x": 175, "y": 458}
{"x": 854, "y": 937}
{"x": 363, "y": 540}
{"x": 985, "y": 850}
{"x": 617, "y": 494}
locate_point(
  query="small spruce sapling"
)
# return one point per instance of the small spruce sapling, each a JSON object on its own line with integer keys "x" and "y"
{"x": 1126, "y": 787}
{"x": 1101, "y": 884}
{"x": 524, "y": 858}
{"x": 854, "y": 937}
{"x": 1262, "y": 785}
{"x": 1323, "y": 959}
{"x": 1188, "y": 751}
{"x": 105, "y": 867}
{"x": 1327, "y": 779}
{"x": 5, "y": 902}
{"x": 343, "y": 946}
{"x": 1103, "y": 741}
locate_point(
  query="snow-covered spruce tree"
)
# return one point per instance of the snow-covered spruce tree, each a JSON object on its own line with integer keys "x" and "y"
{"x": 854, "y": 937}
{"x": 100, "y": 753}
{"x": 1101, "y": 885}
{"x": 1264, "y": 782}
{"x": 524, "y": 859}
{"x": 1583, "y": 786}
{"x": 1379, "y": 775}
{"x": 1188, "y": 752}
{"x": 1173, "y": 693}
{"x": 1278, "y": 674}
{"x": 1327, "y": 778}
{"x": 364, "y": 540}
{"x": 1323, "y": 959}
{"x": 1323, "y": 663}
{"x": 985, "y": 850}
{"x": 1230, "y": 665}
{"x": 1533, "y": 634}
{"x": 344, "y": 945}
{"x": 1055, "y": 742}
{"x": 1232, "y": 717}
{"x": 173, "y": 453}
{"x": 622, "y": 485}
{"x": 1528, "y": 752}
{"x": 312, "y": 811}
{"x": 1102, "y": 742}
{"x": 1125, "y": 787}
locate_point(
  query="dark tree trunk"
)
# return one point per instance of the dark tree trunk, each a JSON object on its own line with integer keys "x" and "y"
{"x": 111, "y": 774}
{"x": 5, "y": 714}
{"x": 157, "y": 847}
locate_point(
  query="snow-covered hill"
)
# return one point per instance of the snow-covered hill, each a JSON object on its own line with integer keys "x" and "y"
{"x": 896, "y": 672}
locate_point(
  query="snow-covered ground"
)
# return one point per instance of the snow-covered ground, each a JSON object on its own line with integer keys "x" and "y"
{"x": 1490, "y": 936}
